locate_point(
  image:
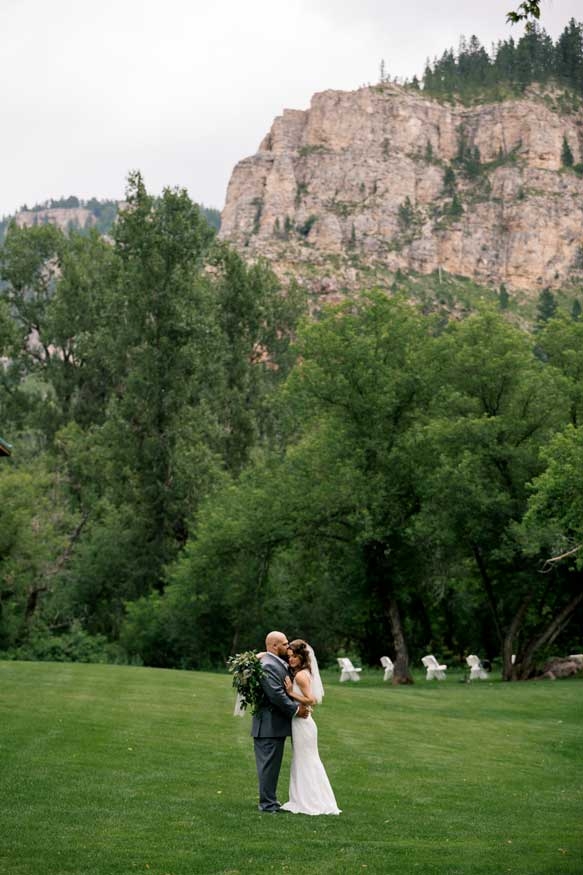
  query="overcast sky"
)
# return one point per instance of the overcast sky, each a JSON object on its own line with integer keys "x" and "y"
{"x": 182, "y": 89}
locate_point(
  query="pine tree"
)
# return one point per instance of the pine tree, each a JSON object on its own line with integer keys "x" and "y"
{"x": 547, "y": 307}
{"x": 576, "y": 310}
{"x": 456, "y": 208}
{"x": 566, "y": 153}
{"x": 449, "y": 182}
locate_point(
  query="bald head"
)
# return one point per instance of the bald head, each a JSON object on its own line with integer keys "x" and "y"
{"x": 276, "y": 642}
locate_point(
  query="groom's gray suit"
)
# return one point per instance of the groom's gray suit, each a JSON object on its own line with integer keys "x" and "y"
{"x": 270, "y": 728}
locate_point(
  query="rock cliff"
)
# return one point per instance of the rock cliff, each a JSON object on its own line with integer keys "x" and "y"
{"x": 368, "y": 182}
{"x": 63, "y": 217}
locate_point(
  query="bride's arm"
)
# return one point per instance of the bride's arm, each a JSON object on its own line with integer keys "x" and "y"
{"x": 303, "y": 681}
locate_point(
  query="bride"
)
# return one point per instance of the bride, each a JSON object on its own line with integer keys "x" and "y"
{"x": 309, "y": 790}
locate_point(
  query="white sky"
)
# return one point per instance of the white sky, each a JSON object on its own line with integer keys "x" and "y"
{"x": 181, "y": 89}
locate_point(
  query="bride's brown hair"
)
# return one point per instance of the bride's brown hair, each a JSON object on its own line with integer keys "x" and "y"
{"x": 300, "y": 649}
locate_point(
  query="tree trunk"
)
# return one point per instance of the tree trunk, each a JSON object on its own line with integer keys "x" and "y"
{"x": 380, "y": 581}
{"x": 524, "y": 669}
{"x": 401, "y": 673}
{"x": 509, "y": 669}
{"x": 488, "y": 589}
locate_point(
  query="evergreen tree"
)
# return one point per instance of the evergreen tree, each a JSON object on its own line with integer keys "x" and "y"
{"x": 546, "y": 308}
{"x": 569, "y": 56}
{"x": 456, "y": 208}
{"x": 566, "y": 153}
{"x": 449, "y": 182}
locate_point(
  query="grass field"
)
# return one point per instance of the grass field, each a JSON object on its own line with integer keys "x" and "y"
{"x": 108, "y": 770}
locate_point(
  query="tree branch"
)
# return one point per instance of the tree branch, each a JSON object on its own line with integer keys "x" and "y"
{"x": 545, "y": 570}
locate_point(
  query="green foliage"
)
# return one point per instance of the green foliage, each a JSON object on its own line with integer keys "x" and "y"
{"x": 190, "y": 468}
{"x": 472, "y": 72}
{"x": 147, "y": 379}
{"x": 212, "y": 216}
{"x": 305, "y": 227}
{"x": 55, "y": 286}
{"x": 395, "y": 440}
{"x": 247, "y": 673}
{"x": 546, "y": 307}
{"x": 449, "y": 182}
{"x": 406, "y": 214}
{"x": 560, "y": 343}
{"x": 73, "y": 646}
{"x": 340, "y": 479}
{"x": 258, "y": 204}
{"x": 311, "y": 149}
{"x": 507, "y": 407}
{"x": 554, "y": 519}
{"x": 467, "y": 157}
{"x": 301, "y": 192}
{"x": 528, "y": 9}
{"x": 455, "y": 209}
{"x": 566, "y": 153}
{"x": 36, "y": 528}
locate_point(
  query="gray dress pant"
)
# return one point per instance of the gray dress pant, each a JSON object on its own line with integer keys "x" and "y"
{"x": 268, "y": 757}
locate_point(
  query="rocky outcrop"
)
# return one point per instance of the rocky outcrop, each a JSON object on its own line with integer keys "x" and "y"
{"x": 63, "y": 217}
{"x": 563, "y": 667}
{"x": 368, "y": 182}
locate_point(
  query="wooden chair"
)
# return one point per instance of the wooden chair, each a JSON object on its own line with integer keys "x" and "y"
{"x": 347, "y": 671}
{"x": 388, "y": 666}
{"x": 435, "y": 671}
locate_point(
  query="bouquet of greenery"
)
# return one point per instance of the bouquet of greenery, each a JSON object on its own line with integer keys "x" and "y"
{"x": 247, "y": 672}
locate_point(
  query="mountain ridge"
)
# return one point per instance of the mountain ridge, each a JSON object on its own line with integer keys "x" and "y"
{"x": 383, "y": 179}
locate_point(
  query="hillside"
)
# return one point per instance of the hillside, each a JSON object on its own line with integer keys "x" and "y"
{"x": 384, "y": 179}
{"x": 81, "y": 215}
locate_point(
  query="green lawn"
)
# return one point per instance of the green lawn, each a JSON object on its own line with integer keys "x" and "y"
{"x": 107, "y": 769}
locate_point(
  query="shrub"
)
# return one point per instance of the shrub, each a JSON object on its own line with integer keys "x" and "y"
{"x": 305, "y": 228}
{"x": 76, "y": 645}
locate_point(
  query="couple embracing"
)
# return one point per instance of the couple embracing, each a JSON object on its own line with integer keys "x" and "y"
{"x": 292, "y": 685}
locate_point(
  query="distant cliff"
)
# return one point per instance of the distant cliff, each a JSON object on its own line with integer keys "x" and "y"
{"x": 368, "y": 182}
{"x": 82, "y": 215}
{"x": 63, "y": 217}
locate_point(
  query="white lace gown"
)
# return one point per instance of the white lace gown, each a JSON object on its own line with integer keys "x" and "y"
{"x": 310, "y": 791}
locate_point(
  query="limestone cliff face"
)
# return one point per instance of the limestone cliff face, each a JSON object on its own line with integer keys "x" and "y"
{"x": 356, "y": 187}
{"x": 63, "y": 217}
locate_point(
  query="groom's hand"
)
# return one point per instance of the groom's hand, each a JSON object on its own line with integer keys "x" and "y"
{"x": 303, "y": 711}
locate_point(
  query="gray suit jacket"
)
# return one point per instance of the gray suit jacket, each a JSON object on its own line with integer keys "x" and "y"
{"x": 274, "y": 719}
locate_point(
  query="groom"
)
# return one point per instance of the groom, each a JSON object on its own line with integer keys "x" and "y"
{"x": 272, "y": 724}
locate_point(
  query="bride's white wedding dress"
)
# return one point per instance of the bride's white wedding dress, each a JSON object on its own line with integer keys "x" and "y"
{"x": 309, "y": 788}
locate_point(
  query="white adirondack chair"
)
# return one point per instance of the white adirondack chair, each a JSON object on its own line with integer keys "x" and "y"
{"x": 435, "y": 671}
{"x": 347, "y": 671}
{"x": 477, "y": 670}
{"x": 388, "y": 667}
